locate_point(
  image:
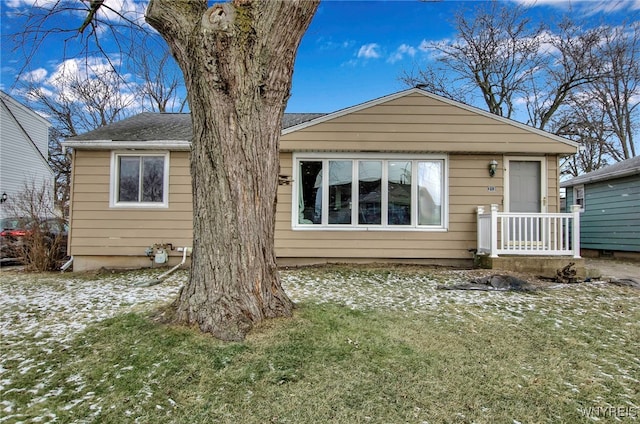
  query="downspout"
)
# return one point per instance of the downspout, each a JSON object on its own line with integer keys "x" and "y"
{"x": 67, "y": 264}
{"x": 162, "y": 277}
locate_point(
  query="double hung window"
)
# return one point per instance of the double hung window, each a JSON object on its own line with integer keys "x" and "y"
{"x": 139, "y": 180}
{"x": 370, "y": 192}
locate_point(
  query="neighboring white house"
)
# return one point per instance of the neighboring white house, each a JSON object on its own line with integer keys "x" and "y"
{"x": 24, "y": 144}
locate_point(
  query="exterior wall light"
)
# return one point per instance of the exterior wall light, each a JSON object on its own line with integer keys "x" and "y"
{"x": 493, "y": 165}
{"x": 3, "y": 198}
{"x": 284, "y": 179}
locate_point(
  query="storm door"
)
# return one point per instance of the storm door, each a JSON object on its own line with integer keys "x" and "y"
{"x": 526, "y": 194}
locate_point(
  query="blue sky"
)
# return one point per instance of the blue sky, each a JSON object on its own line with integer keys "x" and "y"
{"x": 354, "y": 51}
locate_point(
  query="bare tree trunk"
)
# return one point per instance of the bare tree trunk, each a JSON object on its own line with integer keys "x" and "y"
{"x": 237, "y": 59}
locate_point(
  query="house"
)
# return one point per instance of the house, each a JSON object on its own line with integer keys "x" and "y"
{"x": 609, "y": 200}
{"x": 24, "y": 150}
{"x": 398, "y": 178}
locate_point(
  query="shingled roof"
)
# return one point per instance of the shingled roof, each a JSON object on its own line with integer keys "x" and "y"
{"x": 149, "y": 126}
{"x": 617, "y": 170}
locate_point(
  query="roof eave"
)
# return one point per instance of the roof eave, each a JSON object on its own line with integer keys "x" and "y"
{"x": 174, "y": 145}
{"x": 586, "y": 179}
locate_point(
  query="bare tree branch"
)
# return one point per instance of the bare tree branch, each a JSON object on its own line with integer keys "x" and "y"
{"x": 568, "y": 63}
{"x": 46, "y": 21}
{"x": 490, "y": 55}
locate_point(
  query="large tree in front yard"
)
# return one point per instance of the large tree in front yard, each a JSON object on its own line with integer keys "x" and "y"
{"x": 237, "y": 59}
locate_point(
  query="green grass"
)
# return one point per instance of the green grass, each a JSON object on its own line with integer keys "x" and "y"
{"x": 478, "y": 357}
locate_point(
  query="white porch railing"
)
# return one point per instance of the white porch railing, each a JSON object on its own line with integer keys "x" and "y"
{"x": 519, "y": 233}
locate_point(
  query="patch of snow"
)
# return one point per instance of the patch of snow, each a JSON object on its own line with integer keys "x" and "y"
{"x": 40, "y": 311}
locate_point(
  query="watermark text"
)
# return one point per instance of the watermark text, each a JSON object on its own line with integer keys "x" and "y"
{"x": 611, "y": 412}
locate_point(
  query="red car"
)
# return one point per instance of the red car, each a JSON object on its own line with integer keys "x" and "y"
{"x": 16, "y": 231}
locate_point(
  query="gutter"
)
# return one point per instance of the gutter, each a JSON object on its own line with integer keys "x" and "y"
{"x": 177, "y": 145}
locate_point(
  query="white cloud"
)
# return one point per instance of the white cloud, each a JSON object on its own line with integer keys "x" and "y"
{"x": 586, "y": 7}
{"x": 558, "y": 3}
{"x": 36, "y": 76}
{"x": 72, "y": 69}
{"x": 111, "y": 11}
{"x": 38, "y": 92}
{"x": 328, "y": 44}
{"x": 20, "y": 4}
{"x": 95, "y": 74}
{"x": 115, "y": 10}
{"x": 369, "y": 51}
{"x": 429, "y": 47}
{"x": 401, "y": 52}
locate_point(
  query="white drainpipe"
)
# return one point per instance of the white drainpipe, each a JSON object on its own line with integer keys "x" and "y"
{"x": 67, "y": 264}
{"x": 161, "y": 278}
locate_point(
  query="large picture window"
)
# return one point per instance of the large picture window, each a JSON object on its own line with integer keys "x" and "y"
{"x": 139, "y": 180}
{"x": 370, "y": 191}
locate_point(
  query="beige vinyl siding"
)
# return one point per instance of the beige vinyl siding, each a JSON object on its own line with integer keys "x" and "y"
{"x": 410, "y": 124}
{"x": 553, "y": 184}
{"x": 418, "y": 123}
{"x": 97, "y": 229}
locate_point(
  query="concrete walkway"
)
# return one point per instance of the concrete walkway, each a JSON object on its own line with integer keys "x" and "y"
{"x": 614, "y": 268}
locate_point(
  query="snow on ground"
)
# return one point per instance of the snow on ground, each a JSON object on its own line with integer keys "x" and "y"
{"x": 41, "y": 311}
{"x": 56, "y": 307}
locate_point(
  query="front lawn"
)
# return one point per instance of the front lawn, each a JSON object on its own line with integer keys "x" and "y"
{"x": 366, "y": 345}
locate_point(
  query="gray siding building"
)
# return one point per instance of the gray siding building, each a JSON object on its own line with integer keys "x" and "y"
{"x": 610, "y": 201}
{"x": 24, "y": 147}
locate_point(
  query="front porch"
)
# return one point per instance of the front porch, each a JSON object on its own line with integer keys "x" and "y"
{"x": 539, "y": 243}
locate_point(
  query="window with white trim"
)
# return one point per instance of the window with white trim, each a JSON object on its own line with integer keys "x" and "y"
{"x": 370, "y": 191}
{"x": 140, "y": 179}
{"x": 578, "y": 196}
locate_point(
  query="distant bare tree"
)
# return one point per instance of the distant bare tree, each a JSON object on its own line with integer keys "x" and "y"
{"x": 618, "y": 90}
{"x": 491, "y": 55}
{"x": 161, "y": 84}
{"x": 584, "y": 122}
{"x": 83, "y": 95}
{"x": 603, "y": 116}
{"x": 60, "y": 163}
{"x": 76, "y": 101}
{"x": 566, "y": 64}
{"x": 581, "y": 83}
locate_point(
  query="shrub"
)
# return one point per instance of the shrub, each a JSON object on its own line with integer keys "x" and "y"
{"x": 42, "y": 246}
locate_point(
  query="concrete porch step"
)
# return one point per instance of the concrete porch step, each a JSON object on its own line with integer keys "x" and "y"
{"x": 544, "y": 266}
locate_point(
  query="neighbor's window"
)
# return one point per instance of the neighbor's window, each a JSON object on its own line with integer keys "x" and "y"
{"x": 140, "y": 179}
{"x": 370, "y": 191}
{"x": 578, "y": 196}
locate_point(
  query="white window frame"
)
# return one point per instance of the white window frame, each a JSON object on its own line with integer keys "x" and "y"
{"x": 576, "y": 190}
{"x": 114, "y": 179}
{"x": 385, "y": 158}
